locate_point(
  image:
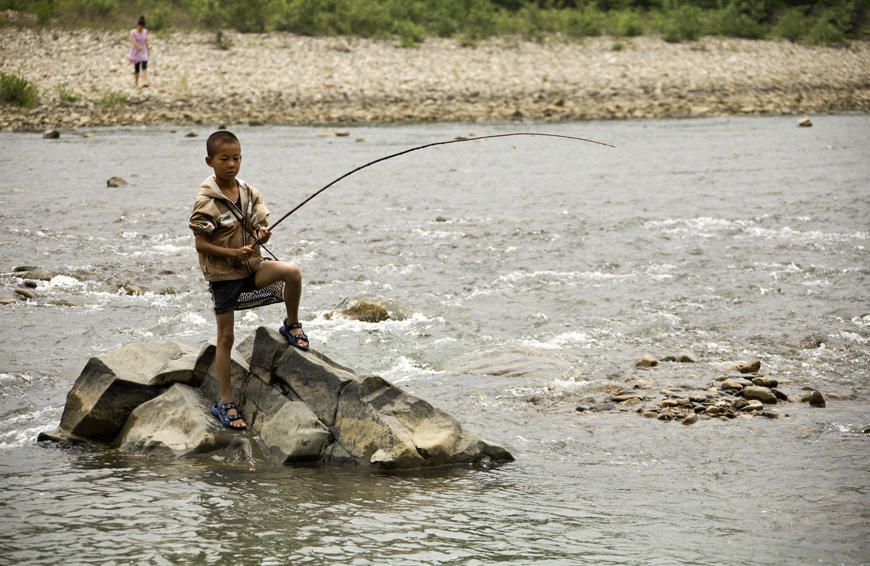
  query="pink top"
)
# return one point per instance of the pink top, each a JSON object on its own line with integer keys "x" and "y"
{"x": 138, "y": 55}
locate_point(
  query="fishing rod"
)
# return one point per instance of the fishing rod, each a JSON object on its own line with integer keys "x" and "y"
{"x": 419, "y": 147}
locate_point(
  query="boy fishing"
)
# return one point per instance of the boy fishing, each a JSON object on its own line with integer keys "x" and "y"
{"x": 229, "y": 222}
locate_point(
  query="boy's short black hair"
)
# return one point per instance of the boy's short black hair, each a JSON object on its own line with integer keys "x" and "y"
{"x": 219, "y": 137}
{"x": 141, "y": 21}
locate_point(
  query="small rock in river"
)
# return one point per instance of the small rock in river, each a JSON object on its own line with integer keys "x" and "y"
{"x": 366, "y": 311}
{"x": 779, "y": 394}
{"x": 646, "y": 361}
{"x": 116, "y": 182}
{"x": 765, "y": 382}
{"x": 751, "y": 366}
{"x": 51, "y": 134}
{"x": 730, "y": 384}
{"x": 131, "y": 289}
{"x": 805, "y": 123}
{"x": 816, "y": 400}
{"x": 690, "y": 419}
{"x": 26, "y": 294}
{"x": 762, "y": 394}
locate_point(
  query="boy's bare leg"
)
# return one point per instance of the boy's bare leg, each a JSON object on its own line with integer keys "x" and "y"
{"x": 144, "y": 77}
{"x": 136, "y": 79}
{"x": 289, "y": 273}
{"x": 222, "y": 357}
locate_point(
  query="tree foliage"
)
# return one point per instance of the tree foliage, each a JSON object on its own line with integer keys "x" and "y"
{"x": 825, "y": 21}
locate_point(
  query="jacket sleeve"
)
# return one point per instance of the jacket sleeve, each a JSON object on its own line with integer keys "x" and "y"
{"x": 204, "y": 219}
{"x": 259, "y": 213}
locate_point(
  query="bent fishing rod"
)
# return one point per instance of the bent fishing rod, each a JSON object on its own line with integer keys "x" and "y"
{"x": 418, "y": 148}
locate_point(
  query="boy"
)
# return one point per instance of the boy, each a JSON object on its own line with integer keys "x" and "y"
{"x": 229, "y": 221}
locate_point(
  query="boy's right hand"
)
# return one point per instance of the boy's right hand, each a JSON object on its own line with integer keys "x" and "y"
{"x": 241, "y": 253}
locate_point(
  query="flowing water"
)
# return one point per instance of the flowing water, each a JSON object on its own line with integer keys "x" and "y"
{"x": 524, "y": 276}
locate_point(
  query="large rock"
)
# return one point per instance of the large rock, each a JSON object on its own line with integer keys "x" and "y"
{"x": 177, "y": 423}
{"x": 301, "y": 406}
{"x": 113, "y": 384}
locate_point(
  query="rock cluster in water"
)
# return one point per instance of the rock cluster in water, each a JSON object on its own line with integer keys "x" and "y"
{"x": 25, "y": 284}
{"x": 745, "y": 392}
{"x": 280, "y": 78}
{"x": 300, "y": 406}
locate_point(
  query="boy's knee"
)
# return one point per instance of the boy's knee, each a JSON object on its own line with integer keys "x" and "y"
{"x": 292, "y": 273}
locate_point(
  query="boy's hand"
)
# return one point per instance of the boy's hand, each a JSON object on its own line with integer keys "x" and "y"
{"x": 263, "y": 235}
{"x": 241, "y": 253}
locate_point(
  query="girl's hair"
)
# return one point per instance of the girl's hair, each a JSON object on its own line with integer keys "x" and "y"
{"x": 141, "y": 21}
{"x": 219, "y": 137}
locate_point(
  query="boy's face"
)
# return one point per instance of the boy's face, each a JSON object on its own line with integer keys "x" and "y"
{"x": 226, "y": 161}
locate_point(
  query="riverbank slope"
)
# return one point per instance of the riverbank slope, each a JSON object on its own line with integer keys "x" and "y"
{"x": 277, "y": 78}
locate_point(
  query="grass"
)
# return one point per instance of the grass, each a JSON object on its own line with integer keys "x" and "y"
{"x": 66, "y": 95}
{"x": 112, "y": 99}
{"x": 17, "y": 91}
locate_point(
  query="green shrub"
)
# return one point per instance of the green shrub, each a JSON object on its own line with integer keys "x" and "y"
{"x": 825, "y": 32}
{"x": 587, "y": 22}
{"x": 735, "y": 20}
{"x": 410, "y": 34}
{"x": 681, "y": 22}
{"x": 625, "y": 23}
{"x": 17, "y": 91}
{"x": 793, "y": 24}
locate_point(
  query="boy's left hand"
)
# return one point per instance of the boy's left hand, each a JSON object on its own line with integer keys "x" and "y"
{"x": 263, "y": 235}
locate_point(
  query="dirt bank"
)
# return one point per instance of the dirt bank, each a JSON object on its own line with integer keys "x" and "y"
{"x": 277, "y": 78}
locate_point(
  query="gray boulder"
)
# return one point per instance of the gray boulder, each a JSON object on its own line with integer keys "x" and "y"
{"x": 176, "y": 423}
{"x": 113, "y": 384}
{"x": 299, "y": 406}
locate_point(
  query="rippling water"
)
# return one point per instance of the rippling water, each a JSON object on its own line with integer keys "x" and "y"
{"x": 524, "y": 275}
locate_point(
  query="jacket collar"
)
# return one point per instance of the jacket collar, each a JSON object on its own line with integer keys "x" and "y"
{"x": 210, "y": 187}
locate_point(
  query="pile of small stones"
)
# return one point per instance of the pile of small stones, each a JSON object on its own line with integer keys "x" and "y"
{"x": 746, "y": 393}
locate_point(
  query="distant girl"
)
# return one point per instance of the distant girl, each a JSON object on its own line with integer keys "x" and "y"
{"x": 139, "y": 51}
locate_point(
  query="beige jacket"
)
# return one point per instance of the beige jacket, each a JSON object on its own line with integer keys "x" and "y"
{"x": 218, "y": 219}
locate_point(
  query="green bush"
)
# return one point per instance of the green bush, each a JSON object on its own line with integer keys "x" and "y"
{"x": 625, "y": 23}
{"x": 735, "y": 20}
{"x": 17, "y": 91}
{"x": 410, "y": 34}
{"x": 681, "y": 22}
{"x": 825, "y": 32}
{"x": 793, "y": 24}
{"x": 586, "y": 22}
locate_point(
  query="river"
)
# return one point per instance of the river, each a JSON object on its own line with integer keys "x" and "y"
{"x": 525, "y": 276}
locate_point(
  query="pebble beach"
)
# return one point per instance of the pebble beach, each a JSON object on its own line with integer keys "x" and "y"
{"x": 84, "y": 79}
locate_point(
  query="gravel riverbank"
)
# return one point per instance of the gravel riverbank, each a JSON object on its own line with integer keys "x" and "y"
{"x": 278, "y": 78}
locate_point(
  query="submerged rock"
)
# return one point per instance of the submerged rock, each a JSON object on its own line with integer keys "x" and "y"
{"x": 302, "y": 406}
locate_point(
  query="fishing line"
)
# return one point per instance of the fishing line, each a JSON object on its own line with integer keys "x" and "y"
{"x": 419, "y": 147}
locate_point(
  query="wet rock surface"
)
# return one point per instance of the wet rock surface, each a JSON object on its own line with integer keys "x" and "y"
{"x": 317, "y": 80}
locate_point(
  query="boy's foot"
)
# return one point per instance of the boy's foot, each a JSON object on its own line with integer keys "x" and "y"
{"x": 144, "y": 85}
{"x": 229, "y": 416}
{"x": 294, "y": 334}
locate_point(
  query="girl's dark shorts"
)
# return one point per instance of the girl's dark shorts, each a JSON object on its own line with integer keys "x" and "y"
{"x": 144, "y": 66}
{"x": 225, "y": 294}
